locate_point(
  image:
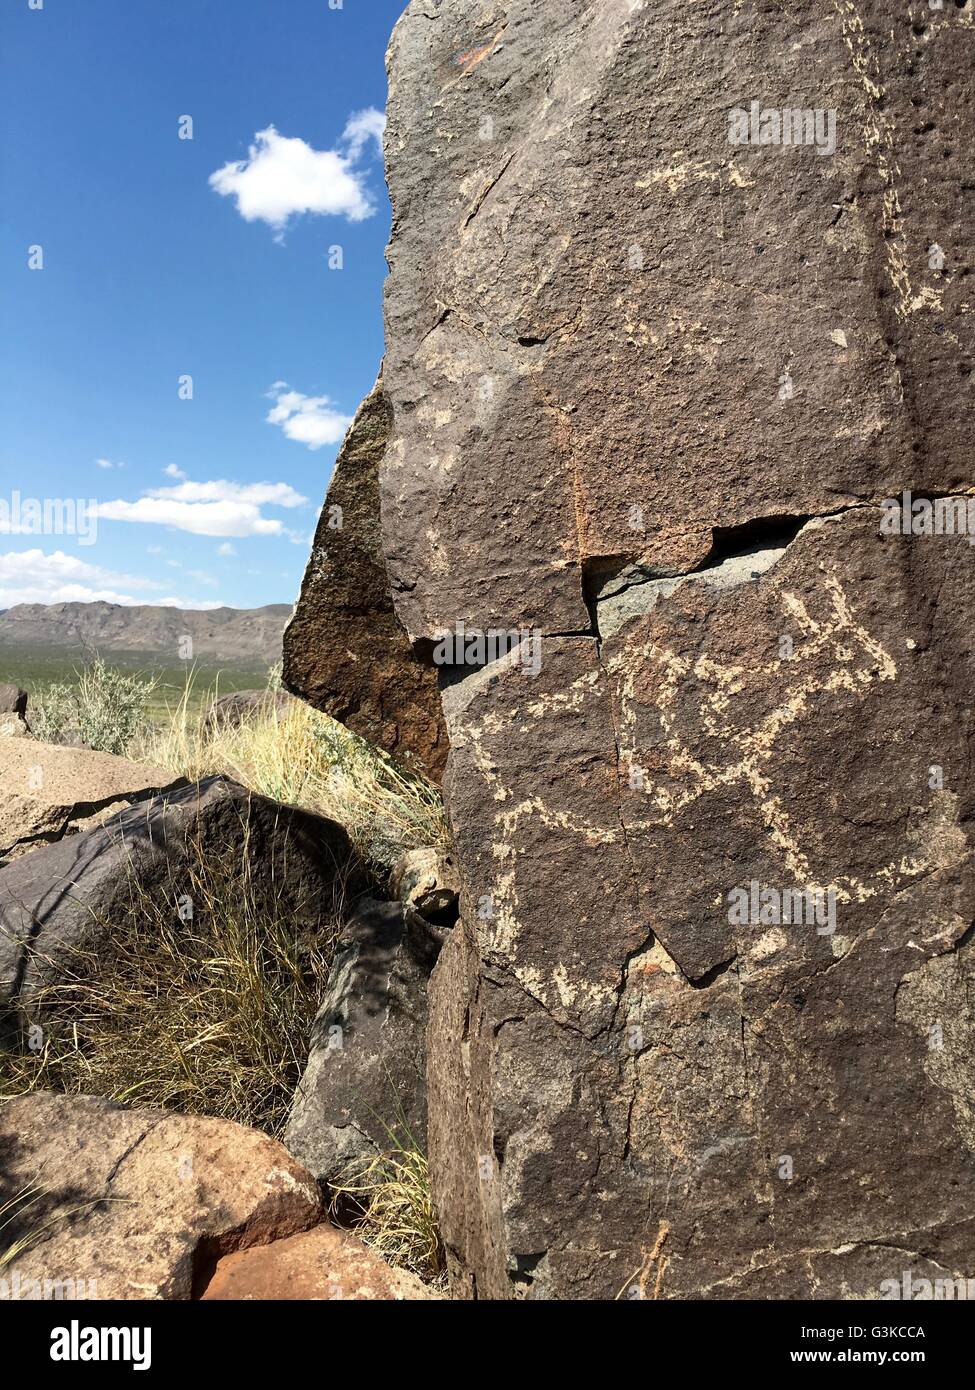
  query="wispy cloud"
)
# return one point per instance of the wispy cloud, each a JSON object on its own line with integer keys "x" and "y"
{"x": 33, "y": 576}
{"x": 218, "y": 508}
{"x": 311, "y": 420}
{"x": 283, "y": 176}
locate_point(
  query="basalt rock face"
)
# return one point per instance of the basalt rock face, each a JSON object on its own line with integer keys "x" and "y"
{"x": 621, "y": 349}
{"x": 345, "y": 651}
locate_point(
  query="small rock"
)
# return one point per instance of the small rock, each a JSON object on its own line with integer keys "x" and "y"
{"x": 427, "y": 880}
{"x": 230, "y": 711}
{"x": 324, "y": 1263}
{"x": 13, "y": 700}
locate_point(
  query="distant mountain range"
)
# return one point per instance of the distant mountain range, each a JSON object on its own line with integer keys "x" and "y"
{"x": 236, "y": 635}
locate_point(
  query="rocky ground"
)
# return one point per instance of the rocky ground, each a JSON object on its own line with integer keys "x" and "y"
{"x": 123, "y": 1201}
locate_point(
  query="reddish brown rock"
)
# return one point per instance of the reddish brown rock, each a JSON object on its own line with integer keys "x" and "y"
{"x": 130, "y": 1204}
{"x": 345, "y": 651}
{"x": 321, "y": 1264}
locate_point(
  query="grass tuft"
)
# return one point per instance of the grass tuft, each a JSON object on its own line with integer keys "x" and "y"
{"x": 390, "y": 1193}
{"x": 303, "y": 758}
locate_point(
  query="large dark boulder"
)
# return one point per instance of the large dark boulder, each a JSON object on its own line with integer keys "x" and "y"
{"x": 65, "y": 898}
{"x": 345, "y": 650}
{"x": 627, "y": 362}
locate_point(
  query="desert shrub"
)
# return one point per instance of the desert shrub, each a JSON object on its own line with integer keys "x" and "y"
{"x": 52, "y": 712}
{"x": 105, "y": 709}
{"x": 112, "y": 706}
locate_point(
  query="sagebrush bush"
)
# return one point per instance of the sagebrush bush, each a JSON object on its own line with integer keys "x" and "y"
{"x": 105, "y": 709}
{"x": 52, "y": 712}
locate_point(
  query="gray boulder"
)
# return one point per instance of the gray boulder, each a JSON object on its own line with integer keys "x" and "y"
{"x": 230, "y": 711}
{"x": 13, "y": 700}
{"x": 364, "y": 1088}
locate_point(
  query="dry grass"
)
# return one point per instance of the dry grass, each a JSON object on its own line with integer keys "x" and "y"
{"x": 209, "y": 1016}
{"x": 24, "y": 1230}
{"x": 213, "y": 1016}
{"x": 12, "y": 1214}
{"x": 306, "y": 759}
{"x": 395, "y": 1209}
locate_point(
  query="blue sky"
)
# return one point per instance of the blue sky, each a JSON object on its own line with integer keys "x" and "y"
{"x": 164, "y": 258}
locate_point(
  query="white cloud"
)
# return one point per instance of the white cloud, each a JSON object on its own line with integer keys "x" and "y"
{"x": 172, "y": 471}
{"x": 32, "y": 576}
{"x": 216, "y": 508}
{"x": 107, "y": 463}
{"x": 361, "y": 127}
{"x": 310, "y": 420}
{"x": 284, "y": 176}
{"x": 260, "y": 494}
{"x": 226, "y": 549}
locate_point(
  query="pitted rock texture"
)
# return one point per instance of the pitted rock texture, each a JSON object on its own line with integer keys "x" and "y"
{"x": 111, "y": 1203}
{"x": 633, "y": 1053}
{"x": 621, "y": 350}
{"x": 345, "y": 651}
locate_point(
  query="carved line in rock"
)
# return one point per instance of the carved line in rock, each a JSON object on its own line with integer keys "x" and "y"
{"x": 835, "y": 635}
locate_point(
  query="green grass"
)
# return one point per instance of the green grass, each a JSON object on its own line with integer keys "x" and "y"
{"x": 35, "y": 667}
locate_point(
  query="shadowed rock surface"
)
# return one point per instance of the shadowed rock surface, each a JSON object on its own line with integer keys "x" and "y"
{"x": 133, "y": 1204}
{"x": 620, "y": 349}
{"x": 64, "y": 898}
{"x": 366, "y": 1076}
{"x": 13, "y": 700}
{"x": 345, "y": 651}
